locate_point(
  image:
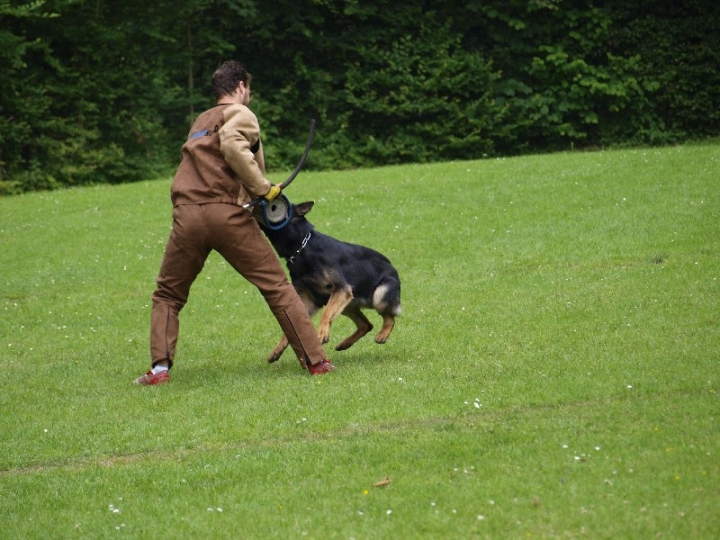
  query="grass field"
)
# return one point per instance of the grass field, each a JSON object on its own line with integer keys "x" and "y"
{"x": 555, "y": 372}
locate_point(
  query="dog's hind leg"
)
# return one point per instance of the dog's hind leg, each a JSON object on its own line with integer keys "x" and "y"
{"x": 386, "y": 300}
{"x": 363, "y": 327}
{"x": 384, "y": 333}
{"x": 337, "y": 303}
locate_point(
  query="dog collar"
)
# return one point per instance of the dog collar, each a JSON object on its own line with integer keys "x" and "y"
{"x": 302, "y": 246}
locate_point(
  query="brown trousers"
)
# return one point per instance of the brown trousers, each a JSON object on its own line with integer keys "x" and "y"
{"x": 231, "y": 231}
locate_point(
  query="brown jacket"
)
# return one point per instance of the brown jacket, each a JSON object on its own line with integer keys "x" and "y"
{"x": 222, "y": 160}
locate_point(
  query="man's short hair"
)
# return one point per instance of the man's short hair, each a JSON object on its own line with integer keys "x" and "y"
{"x": 227, "y": 77}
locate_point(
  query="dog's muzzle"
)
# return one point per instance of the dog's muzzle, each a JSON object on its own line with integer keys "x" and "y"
{"x": 274, "y": 214}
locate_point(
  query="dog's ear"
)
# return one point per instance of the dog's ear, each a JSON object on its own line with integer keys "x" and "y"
{"x": 303, "y": 208}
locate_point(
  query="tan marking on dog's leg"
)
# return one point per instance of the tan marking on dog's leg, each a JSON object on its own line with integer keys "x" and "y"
{"x": 384, "y": 333}
{"x": 363, "y": 327}
{"x": 338, "y": 301}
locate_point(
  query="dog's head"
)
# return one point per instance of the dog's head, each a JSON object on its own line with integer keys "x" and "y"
{"x": 288, "y": 238}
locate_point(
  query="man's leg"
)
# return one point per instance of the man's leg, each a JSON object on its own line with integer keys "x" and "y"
{"x": 184, "y": 258}
{"x": 247, "y": 250}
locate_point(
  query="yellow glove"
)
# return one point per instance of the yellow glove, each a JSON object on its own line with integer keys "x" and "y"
{"x": 272, "y": 193}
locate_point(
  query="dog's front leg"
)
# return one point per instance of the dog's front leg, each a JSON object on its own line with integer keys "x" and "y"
{"x": 311, "y": 308}
{"x": 278, "y": 350}
{"x": 337, "y": 303}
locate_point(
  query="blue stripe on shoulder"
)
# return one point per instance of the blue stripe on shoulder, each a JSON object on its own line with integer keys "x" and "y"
{"x": 199, "y": 134}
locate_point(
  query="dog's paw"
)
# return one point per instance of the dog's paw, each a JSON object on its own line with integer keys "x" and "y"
{"x": 323, "y": 336}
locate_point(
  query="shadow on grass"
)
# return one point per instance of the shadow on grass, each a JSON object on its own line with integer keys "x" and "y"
{"x": 246, "y": 369}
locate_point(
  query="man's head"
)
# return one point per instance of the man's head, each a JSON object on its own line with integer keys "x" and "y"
{"x": 228, "y": 76}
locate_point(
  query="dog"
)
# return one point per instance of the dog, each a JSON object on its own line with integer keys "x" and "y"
{"x": 344, "y": 278}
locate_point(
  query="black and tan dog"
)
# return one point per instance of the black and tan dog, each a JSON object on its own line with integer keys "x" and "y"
{"x": 343, "y": 277}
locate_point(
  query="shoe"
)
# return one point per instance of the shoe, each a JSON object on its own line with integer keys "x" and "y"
{"x": 321, "y": 367}
{"x": 151, "y": 379}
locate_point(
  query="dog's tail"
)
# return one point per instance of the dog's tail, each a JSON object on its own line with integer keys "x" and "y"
{"x": 386, "y": 298}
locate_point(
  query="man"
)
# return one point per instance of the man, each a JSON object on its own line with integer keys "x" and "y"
{"x": 222, "y": 168}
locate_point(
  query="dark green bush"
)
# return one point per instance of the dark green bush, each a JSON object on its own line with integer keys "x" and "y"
{"x": 94, "y": 92}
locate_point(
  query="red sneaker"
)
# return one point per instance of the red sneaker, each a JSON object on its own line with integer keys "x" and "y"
{"x": 321, "y": 367}
{"x": 150, "y": 378}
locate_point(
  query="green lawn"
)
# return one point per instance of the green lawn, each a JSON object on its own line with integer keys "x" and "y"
{"x": 555, "y": 372}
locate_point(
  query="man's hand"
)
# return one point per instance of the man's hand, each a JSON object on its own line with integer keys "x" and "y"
{"x": 272, "y": 193}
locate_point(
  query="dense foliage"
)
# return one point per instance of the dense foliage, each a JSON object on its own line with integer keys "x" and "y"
{"x": 99, "y": 91}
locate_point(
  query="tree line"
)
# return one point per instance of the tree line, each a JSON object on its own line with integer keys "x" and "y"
{"x": 101, "y": 91}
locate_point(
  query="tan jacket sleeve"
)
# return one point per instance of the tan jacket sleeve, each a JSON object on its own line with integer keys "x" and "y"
{"x": 239, "y": 136}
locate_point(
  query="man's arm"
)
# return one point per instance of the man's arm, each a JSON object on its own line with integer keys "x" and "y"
{"x": 238, "y": 137}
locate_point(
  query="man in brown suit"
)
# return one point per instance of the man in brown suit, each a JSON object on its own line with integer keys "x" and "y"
{"x": 222, "y": 168}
